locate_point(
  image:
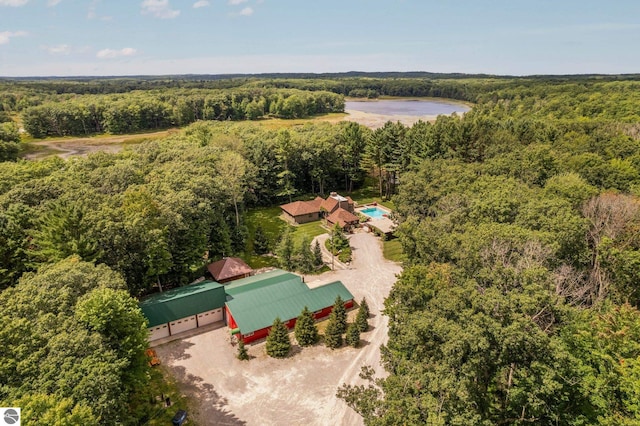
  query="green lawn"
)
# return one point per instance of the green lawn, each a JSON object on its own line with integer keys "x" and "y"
{"x": 311, "y": 229}
{"x": 392, "y": 250}
{"x": 273, "y": 226}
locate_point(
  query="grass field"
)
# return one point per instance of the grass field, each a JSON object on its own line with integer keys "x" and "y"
{"x": 392, "y": 250}
{"x": 273, "y": 227}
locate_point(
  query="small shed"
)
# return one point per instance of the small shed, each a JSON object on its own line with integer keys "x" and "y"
{"x": 183, "y": 308}
{"x": 253, "y": 303}
{"x": 229, "y": 269}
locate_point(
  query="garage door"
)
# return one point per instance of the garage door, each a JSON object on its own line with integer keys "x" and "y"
{"x": 158, "y": 332}
{"x": 183, "y": 324}
{"x": 209, "y": 317}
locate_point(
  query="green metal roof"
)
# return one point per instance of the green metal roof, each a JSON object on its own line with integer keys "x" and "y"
{"x": 183, "y": 302}
{"x": 256, "y": 308}
{"x": 261, "y": 281}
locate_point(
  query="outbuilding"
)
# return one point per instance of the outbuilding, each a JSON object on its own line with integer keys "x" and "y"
{"x": 229, "y": 269}
{"x": 253, "y": 303}
{"x": 184, "y": 308}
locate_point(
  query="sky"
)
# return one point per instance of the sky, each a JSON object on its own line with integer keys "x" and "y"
{"x": 160, "y": 37}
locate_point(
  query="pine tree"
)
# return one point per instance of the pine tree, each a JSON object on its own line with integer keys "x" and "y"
{"x": 284, "y": 251}
{"x": 341, "y": 314}
{"x": 278, "y": 343}
{"x": 361, "y": 319}
{"x": 304, "y": 258}
{"x": 260, "y": 241}
{"x": 306, "y": 331}
{"x": 365, "y": 307}
{"x": 332, "y": 334}
{"x": 317, "y": 254}
{"x": 353, "y": 335}
{"x": 243, "y": 355}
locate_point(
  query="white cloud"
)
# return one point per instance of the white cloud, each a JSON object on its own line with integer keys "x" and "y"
{"x": 246, "y": 11}
{"x": 236, "y": 2}
{"x": 52, "y": 3}
{"x": 113, "y": 53}
{"x": 6, "y": 36}
{"x": 61, "y": 49}
{"x": 201, "y": 3}
{"x": 13, "y": 3}
{"x": 159, "y": 8}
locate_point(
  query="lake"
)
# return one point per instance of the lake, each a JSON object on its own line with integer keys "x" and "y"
{"x": 417, "y": 108}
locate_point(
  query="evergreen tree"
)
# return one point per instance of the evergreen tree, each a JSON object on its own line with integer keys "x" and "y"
{"x": 341, "y": 314}
{"x": 353, "y": 335}
{"x": 361, "y": 319}
{"x": 332, "y": 334}
{"x": 306, "y": 330}
{"x": 317, "y": 254}
{"x": 278, "y": 343}
{"x": 304, "y": 259}
{"x": 260, "y": 241}
{"x": 365, "y": 307}
{"x": 284, "y": 251}
{"x": 243, "y": 355}
{"x": 337, "y": 240}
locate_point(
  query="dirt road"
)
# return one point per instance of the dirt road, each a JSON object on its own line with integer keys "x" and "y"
{"x": 299, "y": 390}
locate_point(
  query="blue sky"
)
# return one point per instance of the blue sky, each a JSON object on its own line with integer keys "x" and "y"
{"x": 516, "y": 37}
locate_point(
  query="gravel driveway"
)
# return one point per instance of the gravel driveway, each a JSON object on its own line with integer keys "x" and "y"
{"x": 298, "y": 390}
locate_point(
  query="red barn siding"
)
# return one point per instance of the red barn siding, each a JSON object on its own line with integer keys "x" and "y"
{"x": 290, "y": 323}
{"x": 231, "y": 323}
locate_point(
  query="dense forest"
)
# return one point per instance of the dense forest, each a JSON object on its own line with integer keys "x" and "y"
{"x": 519, "y": 296}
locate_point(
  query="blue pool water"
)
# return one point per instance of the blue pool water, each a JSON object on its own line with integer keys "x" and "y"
{"x": 374, "y": 212}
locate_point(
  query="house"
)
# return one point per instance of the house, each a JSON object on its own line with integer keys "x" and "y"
{"x": 229, "y": 269}
{"x": 254, "y": 303}
{"x": 183, "y": 308}
{"x": 335, "y": 201}
{"x": 344, "y": 218}
{"x": 302, "y": 211}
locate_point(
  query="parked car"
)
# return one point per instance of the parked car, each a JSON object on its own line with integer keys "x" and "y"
{"x": 179, "y": 418}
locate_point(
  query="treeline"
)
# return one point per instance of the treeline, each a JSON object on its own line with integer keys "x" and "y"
{"x": 519, "y": 300}
{"x": 157, "y": 212}
{"x": 138, "y": 111}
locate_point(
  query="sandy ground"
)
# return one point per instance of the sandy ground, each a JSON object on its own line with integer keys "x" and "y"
{"x": 298, "y": 390}
{"x": 66, "y": 147}
{"x": 375, "y": 121}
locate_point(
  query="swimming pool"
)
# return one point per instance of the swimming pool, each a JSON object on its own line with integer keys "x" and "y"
{"x": 374, "y": 212}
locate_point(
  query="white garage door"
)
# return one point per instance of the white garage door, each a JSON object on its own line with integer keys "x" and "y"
{"x": 158, "y": 332}
{"x": 209, "y": 317}
{"x": 183, "y": 324}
